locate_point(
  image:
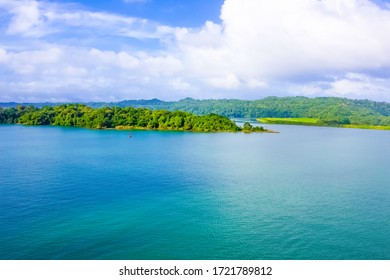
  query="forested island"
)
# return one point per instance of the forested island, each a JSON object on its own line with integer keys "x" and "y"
{"x": 80, "y": 115}
{"x": 330, "y": 111}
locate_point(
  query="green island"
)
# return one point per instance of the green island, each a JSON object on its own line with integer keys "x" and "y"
{"x": 80, "y": 115}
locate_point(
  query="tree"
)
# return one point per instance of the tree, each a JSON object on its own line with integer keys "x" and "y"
{"x": 247, "y": 126}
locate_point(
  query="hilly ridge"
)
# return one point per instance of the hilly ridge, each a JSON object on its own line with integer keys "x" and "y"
{"x": 332, "y": 110}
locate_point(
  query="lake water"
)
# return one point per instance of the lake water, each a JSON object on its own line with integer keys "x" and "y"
{"x": 305, "y": 193}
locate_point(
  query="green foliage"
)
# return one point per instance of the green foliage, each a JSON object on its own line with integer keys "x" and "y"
{"x": 304, "y": 121}
{"x": 11, "y": 115}
{"x": 112, "y": 117}
{"x": 247, "y": 127}
{"x": 8, "y": 116}
{"x": 329, "y": 110}
{"x": 342, "y": 122}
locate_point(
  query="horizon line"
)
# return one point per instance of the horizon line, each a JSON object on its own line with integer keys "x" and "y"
{"x": 186, "y": 98}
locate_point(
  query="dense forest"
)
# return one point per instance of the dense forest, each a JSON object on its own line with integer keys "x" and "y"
{"x": 330, "y": 110}
{"x": 81, "y": 115}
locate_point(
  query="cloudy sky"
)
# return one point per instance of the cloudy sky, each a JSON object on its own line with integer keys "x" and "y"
{"x": 96, "y": 50}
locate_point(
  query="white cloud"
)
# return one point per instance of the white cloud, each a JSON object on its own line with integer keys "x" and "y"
{"x": 111, "y": 58}
{"x": 91, "y": 73}
{"x": 351, "y": 85}
{"x": 3, "y": 55}
{"x": 228, "y": 81}
{"x": 180, "y": 85}
{"x": 304, "y": 47}
{"x": 254, "y": 83}
{"x": 33, "y": 18}
{"x": 26, "y": 17}
{"x": 26, "y": 62}
{"x": 261, "y": 43}
{"x": 272, "y": 39}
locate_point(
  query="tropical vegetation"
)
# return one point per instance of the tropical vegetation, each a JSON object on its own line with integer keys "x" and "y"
{"x": 80, "y": 115}
{"x": 327, "y": 110}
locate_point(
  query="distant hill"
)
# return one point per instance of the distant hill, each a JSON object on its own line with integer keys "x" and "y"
{"x": 330, "y": 109}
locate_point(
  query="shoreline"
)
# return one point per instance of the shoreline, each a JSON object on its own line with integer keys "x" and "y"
{"x": 131, "y": 128}
{"x": 319, "y": 123}
{"x": 183, "y": 130}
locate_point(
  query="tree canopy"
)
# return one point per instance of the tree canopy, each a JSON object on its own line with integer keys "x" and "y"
{"x": 330, "y": 110}
{"x": 81, "y": 115}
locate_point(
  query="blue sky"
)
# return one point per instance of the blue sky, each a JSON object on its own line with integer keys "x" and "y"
{"x": 170, "y": 12}
{"x": 169, "y": 49}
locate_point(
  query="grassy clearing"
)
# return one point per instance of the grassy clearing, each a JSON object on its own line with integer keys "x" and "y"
{"x": 317, "y": 122}
{"x": 363, "y": 126}
{"x": 301, "y": 121}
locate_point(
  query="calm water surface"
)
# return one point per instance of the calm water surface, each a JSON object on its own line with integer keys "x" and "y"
{"x": 305, "y": 193}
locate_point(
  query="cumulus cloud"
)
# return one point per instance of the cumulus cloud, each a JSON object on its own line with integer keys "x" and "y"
{"x": 88, "y": 74}
{"x": 261, "y": 47}
{"x": 350, "y": 85}
{"x": 26, "y": 17}
{"x": 180, "y": 85}
{"x": 278, "y": 39}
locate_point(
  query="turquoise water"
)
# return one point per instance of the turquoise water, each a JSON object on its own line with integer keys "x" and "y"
{"x": 305, "y": 193}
